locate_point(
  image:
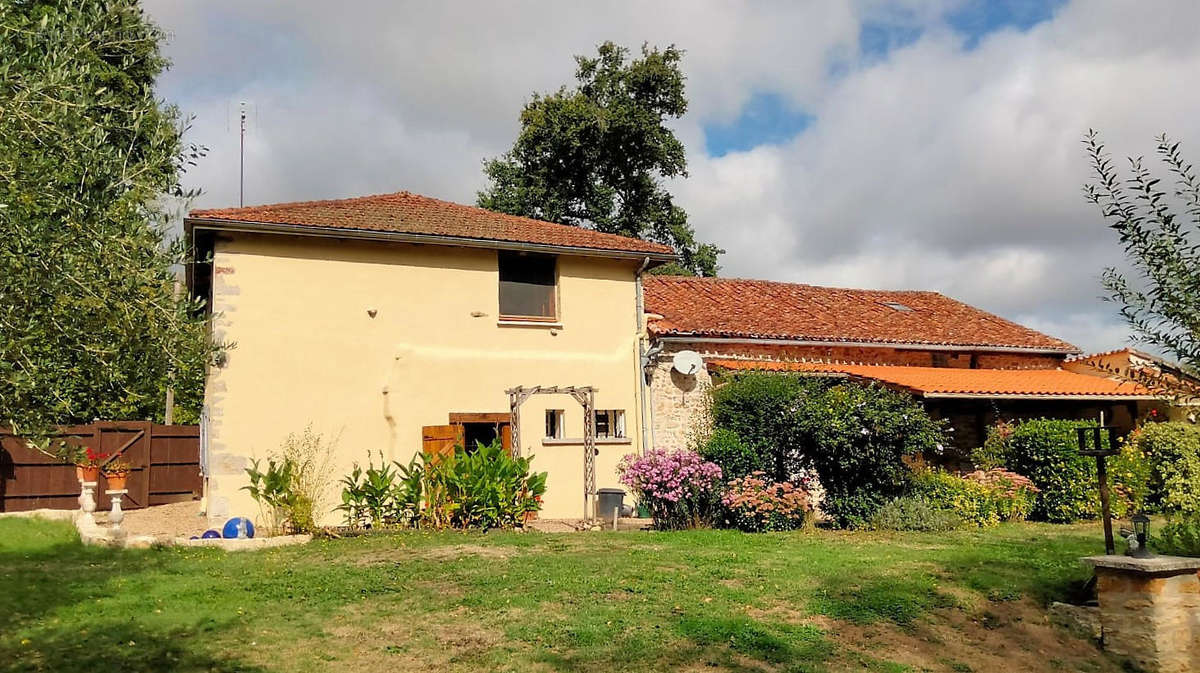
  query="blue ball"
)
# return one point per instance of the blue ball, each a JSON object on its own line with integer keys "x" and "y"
{"x": 210, "y": 534}
{"x": 238, "y": 526}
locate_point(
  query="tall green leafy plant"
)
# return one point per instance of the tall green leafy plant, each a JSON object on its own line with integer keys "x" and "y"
{"x": 385, "y": 495}
{"x": 485, "y": 488}
{"x": 90, "y": 160}
{"x": 271, "y": 487}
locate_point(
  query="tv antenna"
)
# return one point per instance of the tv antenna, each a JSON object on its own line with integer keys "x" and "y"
{"x": 242, "y": 157}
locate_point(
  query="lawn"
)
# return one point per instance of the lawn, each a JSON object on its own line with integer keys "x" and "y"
{"x": 705, "y": 600}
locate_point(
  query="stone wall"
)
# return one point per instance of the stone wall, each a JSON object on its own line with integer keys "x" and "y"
{"x": 678, "y": 404}
{"x": 1150, "y": 611}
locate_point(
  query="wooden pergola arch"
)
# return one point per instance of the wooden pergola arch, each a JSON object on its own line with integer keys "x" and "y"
{"x": 586, "y": 397}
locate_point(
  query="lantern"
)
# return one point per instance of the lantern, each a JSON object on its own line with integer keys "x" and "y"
{"x": 1141, "y": 529}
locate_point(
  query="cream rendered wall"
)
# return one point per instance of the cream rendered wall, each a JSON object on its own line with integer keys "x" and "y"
{"x": 308, "y": 351}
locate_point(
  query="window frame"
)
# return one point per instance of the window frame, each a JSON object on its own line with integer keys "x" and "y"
{"x": 559, "y": 421}
{"x": 555, "y": 298}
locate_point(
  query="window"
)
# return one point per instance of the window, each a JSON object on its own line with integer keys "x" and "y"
{"x": 897, "y": 306}
{"x": 554, "y": 423}
{"x": 528, "y": 286}
{"x": 610, "y": 423}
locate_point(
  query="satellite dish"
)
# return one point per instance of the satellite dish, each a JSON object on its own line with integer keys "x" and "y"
{"x": 687, "y": 362}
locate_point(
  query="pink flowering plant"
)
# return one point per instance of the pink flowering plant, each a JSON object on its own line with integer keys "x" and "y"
{"x": 680, "y": 488}
{"x": 755, "y": 504}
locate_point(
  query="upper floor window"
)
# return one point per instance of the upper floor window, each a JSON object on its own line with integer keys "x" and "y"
{"x": 528, "y": 286}
{"x": 610, "y": 423}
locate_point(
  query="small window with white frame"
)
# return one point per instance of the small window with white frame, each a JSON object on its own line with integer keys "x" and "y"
{"x": 554, "y": 424}
{"x": 610, "y": 423}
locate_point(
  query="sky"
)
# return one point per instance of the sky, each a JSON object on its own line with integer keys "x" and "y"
{"x": 901, "y": 145}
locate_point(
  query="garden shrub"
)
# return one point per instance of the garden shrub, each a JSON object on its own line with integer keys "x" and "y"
{"x": 1172, "y": 451}
{"x": 760, "y": 408}
{"x": 972, "y": 501}
{"x": 857, "y": 437}
{"x": 735, "y": 457}
{"x": 914, "y": 513}
{"x": 678, "y": 487}
{"x": 1047, "y": 451}
{"x": 754, "y": 504}
{"x": 982, "y": 498}
{"x": 1179, "y": 537}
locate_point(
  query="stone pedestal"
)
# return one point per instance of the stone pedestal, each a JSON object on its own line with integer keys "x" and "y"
{"x": 1150, "y": 610}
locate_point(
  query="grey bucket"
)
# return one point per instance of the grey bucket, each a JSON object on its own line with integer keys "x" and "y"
{"x": 609, "y": 500}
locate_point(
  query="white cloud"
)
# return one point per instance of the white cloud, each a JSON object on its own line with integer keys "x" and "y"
{"x": 935, "y": 168}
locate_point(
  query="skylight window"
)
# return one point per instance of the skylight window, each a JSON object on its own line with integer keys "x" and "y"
{"x": 897, "y": 306}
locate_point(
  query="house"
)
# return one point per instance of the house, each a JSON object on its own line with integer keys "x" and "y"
{"x": 398, "y": 322}
{"x": 1180, "y": 386}
{"x": 969, "y": 367}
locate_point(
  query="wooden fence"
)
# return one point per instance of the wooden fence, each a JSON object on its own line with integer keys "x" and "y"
{"x": 165, "y": 461}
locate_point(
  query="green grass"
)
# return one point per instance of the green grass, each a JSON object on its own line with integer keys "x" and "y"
{"x": 718, "y": 600}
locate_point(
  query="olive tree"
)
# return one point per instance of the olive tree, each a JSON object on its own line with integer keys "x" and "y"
{"x": 91, "y": 321}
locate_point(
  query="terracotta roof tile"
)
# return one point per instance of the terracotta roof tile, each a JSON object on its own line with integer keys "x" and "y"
{"x": 407, "y": 213}
{"x": 943, "y": 381}
{"x": 759, "y": 309}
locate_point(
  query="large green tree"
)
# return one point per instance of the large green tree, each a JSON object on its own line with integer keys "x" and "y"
{"x": 594, "y": 155}
{"x": 1159, "y": 228}
{"x": 90, "y": 322}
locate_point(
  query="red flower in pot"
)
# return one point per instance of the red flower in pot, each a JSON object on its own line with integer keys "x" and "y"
{"x": 87, "y": 464}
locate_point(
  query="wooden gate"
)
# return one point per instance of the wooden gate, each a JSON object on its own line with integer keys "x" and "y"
{"x": 165, "y": 461}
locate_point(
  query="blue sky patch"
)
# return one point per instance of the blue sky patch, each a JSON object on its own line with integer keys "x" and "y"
{"x": 978, "y": 18}
{"x": 877, "y": 38}
{"x": 766, "y": 119}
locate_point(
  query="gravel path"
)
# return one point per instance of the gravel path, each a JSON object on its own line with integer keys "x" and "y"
{"x": 177, "y": 519}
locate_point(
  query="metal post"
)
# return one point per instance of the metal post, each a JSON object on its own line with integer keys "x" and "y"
{"x": 1097, "y": 450}
{"x": 1102, "y": 474}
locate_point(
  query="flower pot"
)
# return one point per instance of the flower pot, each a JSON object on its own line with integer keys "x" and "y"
{"x": 87, "y": 474}
{"x": 530, "y": 516}
{"x": 116, "y": 482}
